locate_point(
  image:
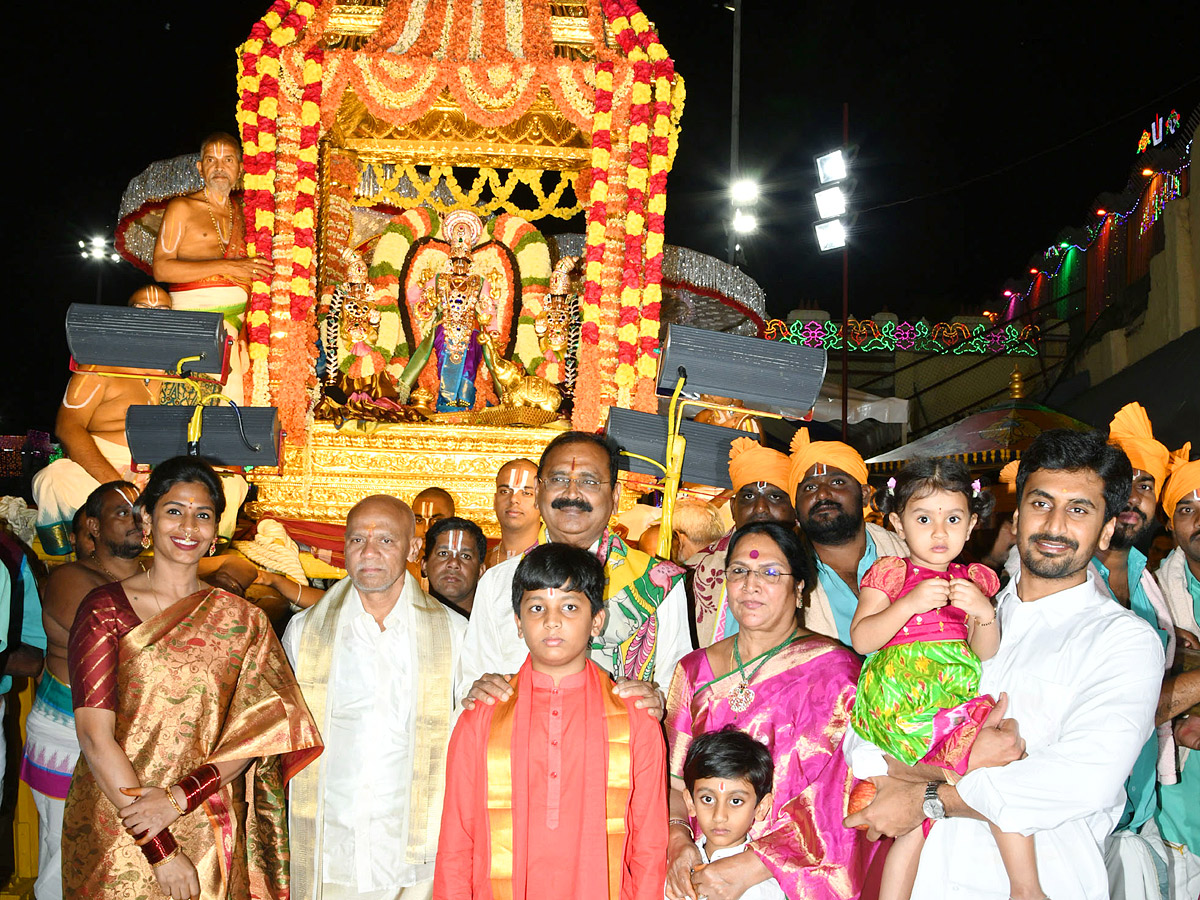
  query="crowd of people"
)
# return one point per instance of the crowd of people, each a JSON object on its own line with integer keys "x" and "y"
{"x": 569, "y": 715}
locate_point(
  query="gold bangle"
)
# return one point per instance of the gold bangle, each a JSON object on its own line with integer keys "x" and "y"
{"x": 685, "y": 823}
{"x": 175, "y": 803}
{"x": 991, "y": 621}
{"x": 166, "y": 859}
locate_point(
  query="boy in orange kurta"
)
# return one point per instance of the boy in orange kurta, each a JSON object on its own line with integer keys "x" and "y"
{"x": 560, "y": 790}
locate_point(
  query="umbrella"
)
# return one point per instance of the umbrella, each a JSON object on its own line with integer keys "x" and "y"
{"x": 990, "y": 437}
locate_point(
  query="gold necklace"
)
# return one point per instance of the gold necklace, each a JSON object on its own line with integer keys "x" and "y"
{"x": 222, "y": 241}
{"x": 103, "y": 568}
{"x": 155, "y": 592}
{"x": 742, "y": 696}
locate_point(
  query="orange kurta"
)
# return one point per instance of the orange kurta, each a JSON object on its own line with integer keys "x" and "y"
{"x": 559, "y": 781}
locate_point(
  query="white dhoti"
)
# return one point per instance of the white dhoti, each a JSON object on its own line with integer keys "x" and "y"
{"x": 230, "y": 301}
{"x": 51, "y": 751}
{"x": 63, "y": 486}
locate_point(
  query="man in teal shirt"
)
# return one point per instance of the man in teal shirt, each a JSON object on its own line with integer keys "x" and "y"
{"x": 1178, "y": 816}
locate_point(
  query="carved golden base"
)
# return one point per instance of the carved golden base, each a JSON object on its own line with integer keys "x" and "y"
{"x": 335, "y": 469}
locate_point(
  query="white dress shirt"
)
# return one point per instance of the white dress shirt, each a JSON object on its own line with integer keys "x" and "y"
{"x": 1082, "y": 676}
{"x": 493, "y": 644}
{"x": 368, "y": 747}
{"x": 764, "y": 890}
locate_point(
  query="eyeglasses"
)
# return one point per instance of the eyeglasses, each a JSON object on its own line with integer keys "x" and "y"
{"x": 558, "y": 484}
{"x": 768, "y": 575}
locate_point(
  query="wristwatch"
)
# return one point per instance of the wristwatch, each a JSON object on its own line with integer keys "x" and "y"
{"x": 933, "y": 808}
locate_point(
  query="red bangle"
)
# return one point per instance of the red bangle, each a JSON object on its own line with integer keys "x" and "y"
{"x": 199, "y": 785}
{"x": 160, "y": 848}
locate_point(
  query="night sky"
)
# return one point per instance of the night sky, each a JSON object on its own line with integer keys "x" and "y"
{"x": 997, "y": 124}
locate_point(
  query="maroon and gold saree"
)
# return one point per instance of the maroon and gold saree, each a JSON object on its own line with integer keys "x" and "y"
{"x": 204, "y": 681}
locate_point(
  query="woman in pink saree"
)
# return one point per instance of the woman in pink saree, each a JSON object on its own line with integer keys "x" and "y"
{"x": 792, "y": 690}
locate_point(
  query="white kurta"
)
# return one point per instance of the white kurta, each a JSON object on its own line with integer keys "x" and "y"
{"x": 369, "y": 732}
{"x": 1082, "y": 676}
{"x": 493, "y": 645}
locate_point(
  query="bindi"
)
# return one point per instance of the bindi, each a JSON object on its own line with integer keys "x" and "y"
{"x": 721, "y": 786}
{"x": 754, "y": 554}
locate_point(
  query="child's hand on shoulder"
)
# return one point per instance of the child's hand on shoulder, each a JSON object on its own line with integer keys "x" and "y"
{"x": 966, "y": 595}
{"x": 930, "y": 594}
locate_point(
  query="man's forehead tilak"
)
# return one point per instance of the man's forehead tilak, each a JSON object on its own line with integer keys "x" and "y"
{"x": 519, "y": 478}
{"x": 454, "y": 540}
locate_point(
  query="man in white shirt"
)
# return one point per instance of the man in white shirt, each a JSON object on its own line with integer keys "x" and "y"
{"x": 374, "y": 658}
{"x": 646, "y": 625}
{"x": 1082, "y": 676}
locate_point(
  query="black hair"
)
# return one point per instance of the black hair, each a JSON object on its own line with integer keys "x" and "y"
{"x": 1062, "y": 449}
{"x": 221, "y": 137}
{"x": 94, "y": 504}
{"x": 454, "y": 523}
{"x": 181, "y": 470}
{"x": 923, "y": 477}
{"x": 77, "y": 520}
{"x": 559, "y": 566}
{"x": 605, "y": 442}
{"x": 729, "y": 753}
{"x": 786, "y": 539}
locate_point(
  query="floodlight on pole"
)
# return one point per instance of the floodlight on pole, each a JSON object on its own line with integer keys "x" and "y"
{"x": 98, "y": 249}
{"x": 832, "y": 167}
{"x": 743, "y": 222}
{"x": 744, "y": 191}
{"x": 831, "y": 235}
{"x": 831, "y": 202}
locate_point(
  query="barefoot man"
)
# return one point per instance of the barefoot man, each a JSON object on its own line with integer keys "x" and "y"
{"x": 201, "y": 250}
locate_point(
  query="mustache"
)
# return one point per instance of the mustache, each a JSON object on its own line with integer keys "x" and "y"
{"x": 1133, "y": 509}
{"x": 1054, "y": 539}
{"x": 825, "y": 504}
{"x": 571, "y": 503}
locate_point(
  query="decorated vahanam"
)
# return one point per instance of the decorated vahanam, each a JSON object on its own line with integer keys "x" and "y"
{"x": 442, "y": 133}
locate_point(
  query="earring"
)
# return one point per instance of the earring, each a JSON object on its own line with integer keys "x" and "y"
{"x": 212, "y": 548}
{"x": 145, "y": 540}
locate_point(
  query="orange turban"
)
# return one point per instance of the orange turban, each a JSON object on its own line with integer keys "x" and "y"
{"x": 1130, "y": 430}
{"x": 1185, "y": 478}
{"x": 750, "y": 461}
{"x": 806, "y": 454}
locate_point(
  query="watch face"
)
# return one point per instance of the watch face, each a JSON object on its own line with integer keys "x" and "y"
{"x": 933, "y": 809}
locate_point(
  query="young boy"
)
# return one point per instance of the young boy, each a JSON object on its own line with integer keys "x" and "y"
{"x": 728, "y": 776}
{"x": 561, "y": 790}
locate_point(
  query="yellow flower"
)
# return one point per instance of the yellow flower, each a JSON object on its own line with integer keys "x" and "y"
{"x": 250, "y": 148}
{"x": 310, "y": 114}
{"x": 628, "y": 332}
{"x": 625, "y": 377}
{"x": 601, "y": 158}
{"x": 639, "y": 134}
{"x": 257, "y": 317}
{"x": 283, "y": 36}
{"x": 303, "y": 219}
{"x": 268, "y": 107}
{"x": 635, "y": 224}
{"x": 266, "y": 142}
{"x": 301, "y": 286}
{"x": 264, "y": 218}
{"x": 641, "y": 93}
{"x": 258, "y": 351}
{"x": 303, "y": 256}
{"x": 647, "y": 365}
{"x": 595, "y": 235}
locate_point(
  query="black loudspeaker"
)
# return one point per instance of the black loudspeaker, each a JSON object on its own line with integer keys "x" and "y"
{"x": 156, "y": 339}
{"x": 705, "y": 457}
{"x": 768, "y": 375}
{"x": 156, "y": 433}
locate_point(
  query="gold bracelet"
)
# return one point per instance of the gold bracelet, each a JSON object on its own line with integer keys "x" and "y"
{"x": 166, "y": 859}
{"x": 175, "y": 803}
{"x": 685, "y": 823}
{"x": 991, "y": 621}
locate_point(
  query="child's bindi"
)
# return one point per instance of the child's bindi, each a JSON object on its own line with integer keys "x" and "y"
{"x": 721, "y": 786}
{"x": 754, "y": 554}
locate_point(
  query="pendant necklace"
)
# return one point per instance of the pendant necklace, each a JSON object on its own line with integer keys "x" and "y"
{"x": 742, "y": 696}
{"x": 221, "y": 240}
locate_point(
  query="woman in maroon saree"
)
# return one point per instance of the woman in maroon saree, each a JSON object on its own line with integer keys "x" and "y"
{"x": 189, "y": 719}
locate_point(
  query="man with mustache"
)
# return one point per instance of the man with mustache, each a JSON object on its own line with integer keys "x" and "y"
{"x": 201, "y": 250}
{"x": 1079, "y": 672}
{"x": 1122, "y": 570}
{"x": 51, "y": 746}
{"x": 646, "y": 623}
{"x": 759, "y": 476}
{"x": 827, "y": 481}
{"x": 1178, "y": 816}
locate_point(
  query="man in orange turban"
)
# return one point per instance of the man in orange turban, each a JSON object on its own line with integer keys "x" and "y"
{"x": 826, "y": 480}
{"x": 760, "y": 477}
{"x": 1122, "y": 567}
{"x": 1179, "y": 578}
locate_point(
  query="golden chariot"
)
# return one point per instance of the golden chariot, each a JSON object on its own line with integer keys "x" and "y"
{"x": 364, "y": 126}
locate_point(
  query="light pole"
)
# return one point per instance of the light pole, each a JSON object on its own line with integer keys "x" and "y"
{"x": 832, "y": 202}
{"x": 101, "y": 251}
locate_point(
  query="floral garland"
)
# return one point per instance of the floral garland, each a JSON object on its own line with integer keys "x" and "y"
{"x": 259, "y": 72}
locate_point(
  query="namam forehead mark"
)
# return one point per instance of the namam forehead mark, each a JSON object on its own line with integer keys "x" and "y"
{"x": 123, "y": 492}
{"x": 519, "y": 477}
{"x": 818, "y": 470}
{"x": 454, "y": 540}
{"x": 425, "y": 509}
